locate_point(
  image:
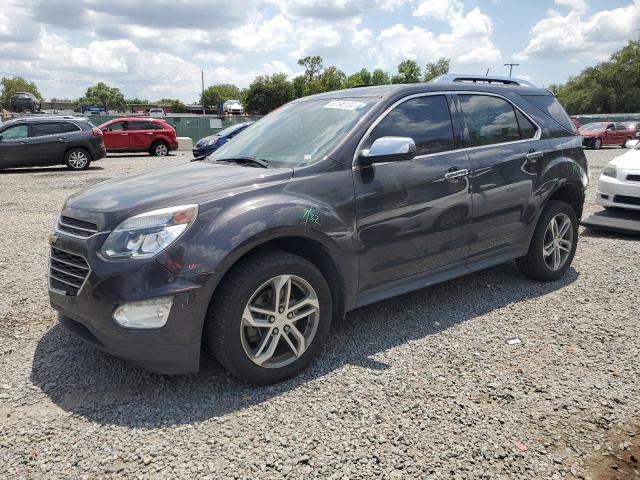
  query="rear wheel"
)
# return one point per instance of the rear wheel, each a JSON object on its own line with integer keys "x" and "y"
{"x": 269, "y": 318}
{"x": 77, "y": 159}
{"x": 159, "y": 149}
{"x": 553, "y": 245}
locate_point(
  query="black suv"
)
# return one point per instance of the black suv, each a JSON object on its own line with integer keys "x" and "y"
{"x": 23, "y": 101}
{"x": 48, "y": 140}
{"x": 327, "y": 204}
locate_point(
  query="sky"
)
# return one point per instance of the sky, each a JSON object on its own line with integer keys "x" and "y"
{"x": 157, "y": 48}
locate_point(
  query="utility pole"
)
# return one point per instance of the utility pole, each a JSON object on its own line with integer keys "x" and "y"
{"x": 511, "y": 65}
{"x": 202, "y": 98}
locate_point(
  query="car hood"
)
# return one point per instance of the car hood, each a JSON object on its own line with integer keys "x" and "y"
{"x": 628, "y": 161}
{"x": 110, "y": 202}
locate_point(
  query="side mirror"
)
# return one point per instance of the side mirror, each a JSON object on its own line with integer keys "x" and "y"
{"x": 388, "y": 149}
{"x": 629, "y": 144}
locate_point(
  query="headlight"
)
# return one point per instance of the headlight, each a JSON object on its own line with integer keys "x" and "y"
{"x": 149, "y": 233}
{"x": 610, "y": 171}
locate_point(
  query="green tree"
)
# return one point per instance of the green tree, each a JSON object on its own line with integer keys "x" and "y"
{"x": 103, "y": 95}
{"x": 220, "y": 93}
{"x": 408, "y": 72}
{"x": 608, "y": 87}
{"x": 16, "y": 84}
{"x": 177, "y": 105}
{"x": 380, "y": 77}
{"x": 359, "y": 79}
{"x": 332, "y": 78}
{"x": 299, "y": 83}
{"x": 269, "y": 92}
{"x": 439, "y": 67}
{"x": 136, "y": 101}
{"x": 312, "y": 67}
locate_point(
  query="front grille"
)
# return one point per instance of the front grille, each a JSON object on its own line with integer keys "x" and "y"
{"x": 633, "y": 178}
{"x": 67, "y": 271}
{"x": 626, "y": 199}
{"x": 76, "y": 227}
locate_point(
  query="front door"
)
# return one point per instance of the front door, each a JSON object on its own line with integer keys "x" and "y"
{"x": 14, "y": 146}
{"x": 410, "y": 218}
{"x": 116, "y": 136}
{"x": 504, "y": 155}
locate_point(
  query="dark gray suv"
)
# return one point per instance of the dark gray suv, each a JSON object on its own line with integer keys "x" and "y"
{"x": 327, "y": 204}
{"x": 48, "y": 140}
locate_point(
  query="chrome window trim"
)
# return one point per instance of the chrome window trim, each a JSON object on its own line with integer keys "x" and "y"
{"x": 382, "y": 116}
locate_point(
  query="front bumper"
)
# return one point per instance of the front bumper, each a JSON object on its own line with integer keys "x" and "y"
{"x": 172, "y": 349}
{"x": 613, "y": 192}
{"x": 588, "y": 142}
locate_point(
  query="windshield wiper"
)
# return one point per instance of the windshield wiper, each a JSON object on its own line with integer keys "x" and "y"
{"x": 246, "y": 160}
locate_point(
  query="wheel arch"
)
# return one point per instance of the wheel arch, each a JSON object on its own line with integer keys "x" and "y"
{"x": 569, "y": 193}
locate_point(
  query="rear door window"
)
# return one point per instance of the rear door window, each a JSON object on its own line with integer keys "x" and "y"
{"x": 424, "y": 119}
{"x": 42, "y": 129}
{"x": 489, "y": 120}
{"x": 527, "y": 128}
{"x": 550, "y": 105}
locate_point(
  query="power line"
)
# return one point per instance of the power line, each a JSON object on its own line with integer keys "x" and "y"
{"x": 511, "y": 65}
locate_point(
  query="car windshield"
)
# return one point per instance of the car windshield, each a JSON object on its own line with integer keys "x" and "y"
{"x": 228, "y": 130}
{"x": 592, "y": 127}
{"x": 298, "y": 133}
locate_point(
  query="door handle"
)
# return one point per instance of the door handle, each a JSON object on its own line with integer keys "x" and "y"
{"x": 124, "y": 134}
{"x": 148, "y": 133}
{"x": 455, "y": 174}
{"x": 24, "y": 143}
{"x": 534, "y": 156}
{"x": 62, "y": 139}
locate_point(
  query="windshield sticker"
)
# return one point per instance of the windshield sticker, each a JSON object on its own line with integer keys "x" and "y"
{"x": 309, "y": 215}
{"x": 344, "y": 104}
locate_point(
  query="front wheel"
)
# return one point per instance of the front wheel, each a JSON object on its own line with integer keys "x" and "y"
{"x": 597, "y": 144}
{"x": 77, "y": 159}
{"x": 553, "y": 245}
{"x": 269, "y": 318}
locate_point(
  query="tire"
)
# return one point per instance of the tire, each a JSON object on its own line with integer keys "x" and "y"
{"x": 159, "y": 149}
{"x": 625, "y": 141}
{"x": 597, "y": 144}
{"x": 233, "y": 341}
{"x": 77, "y": 159}
{"x": 535, "y": 264}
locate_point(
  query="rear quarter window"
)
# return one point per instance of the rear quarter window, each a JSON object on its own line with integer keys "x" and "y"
{"x": 550, "y": 105}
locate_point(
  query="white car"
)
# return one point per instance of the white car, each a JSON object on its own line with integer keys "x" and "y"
{"x": 619, "y": 184}
{"x": 232, "y": 107}
{"x": 156, "y": 112}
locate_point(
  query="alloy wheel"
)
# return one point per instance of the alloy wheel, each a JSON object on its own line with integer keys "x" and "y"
{"x": 78, "y": 160}
{"x": 280, "y": 321}
{"x": 161, "y": 150}
{"x": 558, "y": 241}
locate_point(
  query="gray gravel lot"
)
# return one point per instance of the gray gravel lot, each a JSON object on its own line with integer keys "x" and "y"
{"x": 420, "y": 386}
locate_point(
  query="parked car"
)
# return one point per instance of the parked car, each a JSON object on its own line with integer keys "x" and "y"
{"x": 576, "y": 122}
{"x": 34, "y": 141}
{"x": 210, "y": 144}
{"x": 619, "y": 183}
{"x": 327, "y": 204}
{"x": 232, "y": 107}
{"x": 93, "y": 110}
{"x": 597, "y": 134}
{"x": 24, "y": 101}
{"x": 139, "y": 135}
{"x": 156, "y": 112}
{"x": 633, "y": 126}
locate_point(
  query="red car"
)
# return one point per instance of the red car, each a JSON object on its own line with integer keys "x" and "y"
{"x": 133, "y": 134}
{"x": 597, "y": 134}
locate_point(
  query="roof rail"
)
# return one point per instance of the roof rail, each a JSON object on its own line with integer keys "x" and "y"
{"x": 452, "y": 77}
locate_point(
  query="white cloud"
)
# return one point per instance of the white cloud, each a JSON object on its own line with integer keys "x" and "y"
{"x": 438, "y": 9}
{"x": 596, "y": 37}
{"x": 262, "y": 35}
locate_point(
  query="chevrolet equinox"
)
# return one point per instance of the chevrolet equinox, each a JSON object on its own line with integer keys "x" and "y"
{"x": 328, "y": 203}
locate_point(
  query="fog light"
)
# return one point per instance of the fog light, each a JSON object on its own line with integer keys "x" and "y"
{"x": 146, "y": 314}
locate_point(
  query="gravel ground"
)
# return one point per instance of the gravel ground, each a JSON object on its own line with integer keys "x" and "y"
{"x": 420, "y": 386}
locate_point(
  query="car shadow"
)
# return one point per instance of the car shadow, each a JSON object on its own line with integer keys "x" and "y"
{"x": 24, "y": 170}
{"x": 94, "y": 385}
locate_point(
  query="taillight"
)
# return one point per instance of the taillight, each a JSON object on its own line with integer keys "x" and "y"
{"x": 96, "y": 132}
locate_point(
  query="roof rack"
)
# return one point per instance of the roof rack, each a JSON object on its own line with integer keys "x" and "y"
{"x": 452, "y": 77}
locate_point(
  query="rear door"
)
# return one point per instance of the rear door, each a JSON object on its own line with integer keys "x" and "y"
{"x": 141, "y": 134}
{"x": 116, "y": 136}
{"x": 411, "y": 218}
{"x": 47, "y": 143}
{"x": 14, "y": 145}
{"x": 504, "y": 152}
